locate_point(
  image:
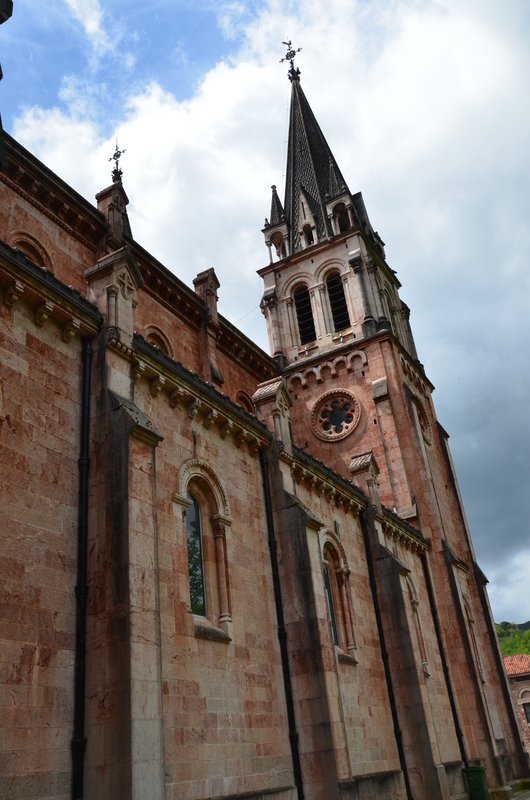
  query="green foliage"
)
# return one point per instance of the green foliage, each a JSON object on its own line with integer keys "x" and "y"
{"x": 513, "y": 639}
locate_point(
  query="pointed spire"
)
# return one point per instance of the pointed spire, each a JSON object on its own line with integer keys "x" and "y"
{"x": 312, "y": 171}
{"x": 277, "y": 213}
{"x": 334, "y": 188}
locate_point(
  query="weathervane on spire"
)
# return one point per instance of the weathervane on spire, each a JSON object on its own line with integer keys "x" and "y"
{"x": 290, "y": 56}
{"x": 117, "y": 172}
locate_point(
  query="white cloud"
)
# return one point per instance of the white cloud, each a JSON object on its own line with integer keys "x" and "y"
{"x": 230, "y": 18}
{"x": 90, "y": 14}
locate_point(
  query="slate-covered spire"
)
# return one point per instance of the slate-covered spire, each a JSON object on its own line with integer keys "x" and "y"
{"x": 313, "y": 175}
{"x": 277, "y": 212}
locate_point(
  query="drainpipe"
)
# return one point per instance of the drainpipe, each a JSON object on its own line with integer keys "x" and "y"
{"x": 443, "y": 657}
{"x": 282, "y": 634}
{"x": 81, "y": 590}
{"x": 367, "y": 518}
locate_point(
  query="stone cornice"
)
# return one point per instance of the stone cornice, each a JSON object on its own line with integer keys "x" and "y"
{"x": 400, "y": 531}
{"x": 49, "y": 297}
{"x": 32, "y": 180}
{"x": 322, "y": 481}
{"x": 184, "y": 389}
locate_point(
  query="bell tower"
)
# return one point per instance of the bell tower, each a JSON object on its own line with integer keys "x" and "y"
{"x": 336, "y": 323}
{"x": 328, "y": 282}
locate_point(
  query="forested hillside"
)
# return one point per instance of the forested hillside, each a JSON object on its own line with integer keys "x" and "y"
{"x": 513, "y": 638}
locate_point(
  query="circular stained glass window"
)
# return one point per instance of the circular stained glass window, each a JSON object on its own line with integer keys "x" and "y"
{"x": 335, "y": 415}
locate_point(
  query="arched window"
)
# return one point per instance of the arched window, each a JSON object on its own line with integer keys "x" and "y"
{"x": 341, "y": 215}
{"x": 308, "y": 235}
{"x": 158, "y": 340}
{"x": 279, "y": 244}
{"x": 337, "y": 302}
{"x": 304, "y": 315}
{"x": 244, "y": 400}
{"x": 195, "y": 558}
{"x": 31, "y": 248}
{"x": 206, "y": 522}
{"x": 335, "y": 574}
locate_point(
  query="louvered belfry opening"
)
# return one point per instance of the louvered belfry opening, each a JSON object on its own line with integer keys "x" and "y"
{"x": 304, "y": 315}
{"x": 337, "y": 301}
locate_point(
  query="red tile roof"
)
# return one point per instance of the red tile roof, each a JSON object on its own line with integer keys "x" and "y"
{"x": 517, "y": 665}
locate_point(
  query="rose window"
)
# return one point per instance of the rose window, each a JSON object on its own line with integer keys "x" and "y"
{"x": 335, "y": 415}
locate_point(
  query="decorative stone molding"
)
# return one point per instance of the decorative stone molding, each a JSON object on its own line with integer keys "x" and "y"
{"x": 354, "y": 362}
{"x": 414, "y": 373}
{"x": 320, "y": 483}
{"x": 197, "y": 468}
{"x": 408, "y": 539}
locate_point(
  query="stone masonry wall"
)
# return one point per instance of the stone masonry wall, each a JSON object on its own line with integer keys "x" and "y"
{"x": 39, "y": 447}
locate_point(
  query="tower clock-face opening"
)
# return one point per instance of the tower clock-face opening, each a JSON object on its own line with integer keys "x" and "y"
{"x": 335, "y": 415}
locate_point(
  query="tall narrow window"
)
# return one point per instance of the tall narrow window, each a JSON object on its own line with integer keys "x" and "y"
{"x": 526, "y": 708}
{"x": 304, "y": 315}
{"x": 337, "y": 301}
{"x": 331, "y": 605}
{"x": 195, "y": 558}
{"x": 308, "y": 234}
{"x": 335, "y": 574}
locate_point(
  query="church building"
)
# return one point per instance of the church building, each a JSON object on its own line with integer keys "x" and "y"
{"x": 228, "y": 575}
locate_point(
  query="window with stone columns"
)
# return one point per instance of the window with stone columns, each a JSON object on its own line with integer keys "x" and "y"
{"x": 205, "y": 527}
{"x": 337, "y": 302}
{"x": 304, "y": 314}
{"x": 338, "y": 596}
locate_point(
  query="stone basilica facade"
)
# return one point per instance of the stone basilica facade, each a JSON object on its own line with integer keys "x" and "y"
{"x": 227, "y": 574}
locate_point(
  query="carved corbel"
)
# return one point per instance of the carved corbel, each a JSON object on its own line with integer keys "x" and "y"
{"x": 42, "y": 312}
{"x": 156, "y": 385}
{"x": 137, "y": 370}
{"x": 174, "y": 397}
{"x": 12, "y": 294}
{"x": 194, "y": 408}
{"x": 226, "y": 427}
{"x": 239, "y": 437}
{"x": 210, "y": 418}
{"x": 253, "y": 444}
{"x": 70, "y": 329}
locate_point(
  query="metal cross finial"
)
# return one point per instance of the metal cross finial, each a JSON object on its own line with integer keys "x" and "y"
{"x": 117, "y": 172}
{"x": 290, "y": 56}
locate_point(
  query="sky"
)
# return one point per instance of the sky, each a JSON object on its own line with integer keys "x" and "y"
{"x": 425, "y": 106}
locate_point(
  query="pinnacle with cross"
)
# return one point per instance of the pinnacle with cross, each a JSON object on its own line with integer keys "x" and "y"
{"x": 117, "y": 172}
{"x": 290, "y": 56}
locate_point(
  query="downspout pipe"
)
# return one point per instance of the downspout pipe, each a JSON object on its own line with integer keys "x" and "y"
{"x": 78, "y": 743}
{"x": 282, "y": 633}
{"x": 367, "y": 519}
{"x": 443, "y": 657}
